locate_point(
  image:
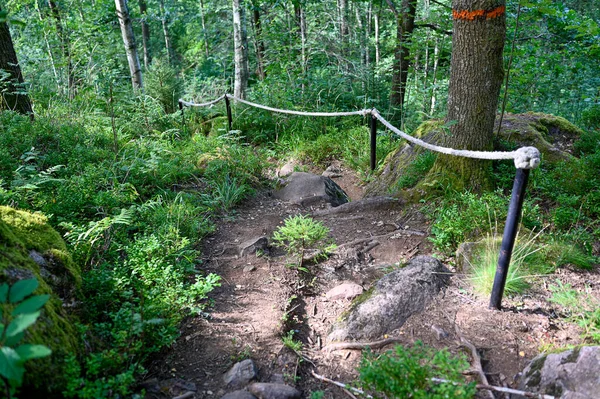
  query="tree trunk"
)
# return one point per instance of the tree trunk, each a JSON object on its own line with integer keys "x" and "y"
{"x": 405, "y": 18}
{"x": 377, "y": 52}
{"x": 343, "y": 9}
{"x": 129, "y": 41}
{"x": 11, "y": 89}
{"x": 165, "y": 26}
{"x": 64, "y": 47}
{"x": 240, "y": 51}
{"x": 436, "y": 57}
{"x": 48, "y": 48}
{"x": 204, "y": 32}
{"x": 476, "y": 72}
{"x": 145, "y": 33}
{"x": 260, "y": 44}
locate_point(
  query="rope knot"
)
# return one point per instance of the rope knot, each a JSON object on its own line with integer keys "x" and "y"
{"x": 527, "y": 158}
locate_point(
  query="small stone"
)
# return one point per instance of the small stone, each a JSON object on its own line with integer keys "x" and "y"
{"x": 238, "y": 395}
{"x": 37, "y": 258}
{"x": 344, "y": 291}
{"x": 252, "y": 245}
{"x": 440, "y": 333}
{"x": 249, "y": 269}
{"x": 264, "y": 390}
{"x": 240, "y": 374}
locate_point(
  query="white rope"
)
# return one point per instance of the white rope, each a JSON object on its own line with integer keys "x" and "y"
{"x": 362, "y": 112}
{"x": 524, "y": 158}
{"x": 189, "y": 104}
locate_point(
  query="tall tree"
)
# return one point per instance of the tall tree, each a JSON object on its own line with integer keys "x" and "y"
{"x": 165, "y": 24}
{"x": 476, "y": 71}
{"x": 129, "y": 41}
{"x": 259, "y": 42}
{"x": 11, "y": 78}
{"x": 145, "y": 32}
{"x": 240, "y": 51}
{"x": 65, "y": 46}
{"x": 405, "y": 25}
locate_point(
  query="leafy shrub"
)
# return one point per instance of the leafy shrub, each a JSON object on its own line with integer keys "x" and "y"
{"x": 300, "y": 233}
{"x": 163, "y": 84}
{"x": 20, "y": 310}
{"x": 464, "y": 216}
{"x": 408, "y": 373}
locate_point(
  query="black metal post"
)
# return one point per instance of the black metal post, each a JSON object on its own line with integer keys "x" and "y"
{"x": 229, "y": 118}
{"x": 182, "y": 116}
{"x": 508, "y": 238}
{"x": 373, "y": 142}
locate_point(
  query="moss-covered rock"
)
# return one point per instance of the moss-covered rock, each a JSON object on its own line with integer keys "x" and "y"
{"x": 552, "y": 135}
{"x": 30, "y": 248}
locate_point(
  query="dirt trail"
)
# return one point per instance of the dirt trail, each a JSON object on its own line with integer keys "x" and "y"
{"x": 260, "y": 297}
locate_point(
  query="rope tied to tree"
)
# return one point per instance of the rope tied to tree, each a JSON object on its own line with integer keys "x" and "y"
{"x": 524, "y": 157}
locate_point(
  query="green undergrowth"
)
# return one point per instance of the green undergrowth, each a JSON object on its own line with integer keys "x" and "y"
{"x": 579, "y": 306}
{"x": 132, "y": 212}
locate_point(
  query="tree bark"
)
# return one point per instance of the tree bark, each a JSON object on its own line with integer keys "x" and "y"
{"x": 12, "y": 90}
{"x": 436, "y": 57}
{"x": 145, "y": 33}
{"x": 240, "y": 51}
{"x": 476, "y": 71}
{"x": 405, "y": 18}
{"x": 165, "y": 26}
{"x": 129, "y": 42}
{"x": 260, "y": 44}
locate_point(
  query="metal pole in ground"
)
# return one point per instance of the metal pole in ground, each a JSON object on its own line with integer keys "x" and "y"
{"x": 182, "y": 116}
{"x": 229, "y": 118}
{"x": 508, "y": 239}
{"x": 373, "y": 142}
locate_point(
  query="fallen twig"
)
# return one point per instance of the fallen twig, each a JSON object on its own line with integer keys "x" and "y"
{"x": 499, "y": 389}
{"x": 360, "y": 345}
{"x": 340, "y": 384}
{"x": 186, "y": 395}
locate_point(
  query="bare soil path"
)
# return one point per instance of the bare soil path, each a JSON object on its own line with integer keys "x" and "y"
{"x": 260, "y": 298}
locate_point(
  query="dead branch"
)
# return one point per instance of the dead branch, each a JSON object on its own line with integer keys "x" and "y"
{"x": 361, "y": 345}
{"x": 340, "y": 384}
{"x": 499, "y": 389}
{"x": 476, "y": 363}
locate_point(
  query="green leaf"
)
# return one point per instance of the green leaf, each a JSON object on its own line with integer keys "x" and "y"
{"x": 21, "y": 289}
{"x": 30, "y": 351}
{"x": 1, "y": 331}
{"x": 3, "y": 293}
{"x": 10, "y": 367}
{"x": 12, "y": 341}
{"x": 20, "y": 323}
{"x": 30, "y": 305}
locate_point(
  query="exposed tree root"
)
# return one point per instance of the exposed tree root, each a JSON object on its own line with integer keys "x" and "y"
{"x": 361, "y": 345}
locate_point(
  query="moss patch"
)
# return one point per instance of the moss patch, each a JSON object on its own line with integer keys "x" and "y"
{"x": 24, "y": 237}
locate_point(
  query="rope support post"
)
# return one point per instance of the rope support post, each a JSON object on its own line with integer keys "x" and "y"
{"x": 180, "y": 103}
{"x": 229, "y": 118}
{"x": 508, "y": 238}
{"x": 373, "y": 142}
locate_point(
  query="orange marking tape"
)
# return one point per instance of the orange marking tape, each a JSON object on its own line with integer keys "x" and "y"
{"x": 479, "y": 14}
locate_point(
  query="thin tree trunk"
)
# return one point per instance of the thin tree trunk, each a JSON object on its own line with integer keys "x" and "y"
{"x": 165, "y": 26}
{"x": 377, "y": 52}
{"x": 476, "y": 72}
{"x": 204, "y": 32}
{"x": 129, "y": 42}
{"x": 260, "y": 45}
{"x": 12, "y": 91}
{"x": 405, "y": 18}
{"x": 64, "y": 46}
{"x": 240, "y": 51}
{"x": 145, "y": 33}
{"x": 436, "y": 57}
{"x": 48, "y": 48}
{"x": 368, "y": 34}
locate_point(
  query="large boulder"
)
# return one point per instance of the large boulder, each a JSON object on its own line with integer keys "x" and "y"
{"x": 573, "y": 374}
{"x": 392, "y": 300}
{"x": 306, "y": 189}
{"x": 32, "y": 249}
